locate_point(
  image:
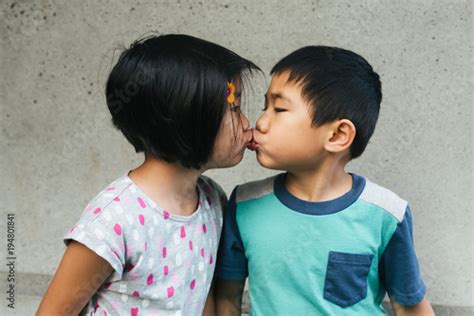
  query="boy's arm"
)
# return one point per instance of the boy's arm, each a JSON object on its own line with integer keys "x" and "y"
{"x": 228, "y": 295}
{"x": 77, "y": 278}
{"x": 210, "y": 305}
{"x": 422, "y": 308}
{"x": 400, "y": 274}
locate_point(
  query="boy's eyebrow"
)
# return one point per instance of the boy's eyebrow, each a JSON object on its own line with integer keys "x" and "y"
{"x": 277, "y": 95}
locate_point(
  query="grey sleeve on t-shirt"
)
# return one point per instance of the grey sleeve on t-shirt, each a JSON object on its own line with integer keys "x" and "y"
{"x": 96, "y": 230}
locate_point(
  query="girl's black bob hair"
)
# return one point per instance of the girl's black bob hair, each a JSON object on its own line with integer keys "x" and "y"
{"x": 167, "y": 95}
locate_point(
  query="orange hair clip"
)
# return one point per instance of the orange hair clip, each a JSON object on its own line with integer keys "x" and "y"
{"x": 230, "y": 93}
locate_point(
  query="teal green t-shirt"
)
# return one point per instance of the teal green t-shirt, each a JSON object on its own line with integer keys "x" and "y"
{"x": 337, "y": 257}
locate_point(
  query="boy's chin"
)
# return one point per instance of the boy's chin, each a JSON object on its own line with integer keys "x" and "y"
{"x": 267, "y": 163}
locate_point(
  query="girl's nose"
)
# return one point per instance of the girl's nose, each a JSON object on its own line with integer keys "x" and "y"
{"x": 245, "y": 122}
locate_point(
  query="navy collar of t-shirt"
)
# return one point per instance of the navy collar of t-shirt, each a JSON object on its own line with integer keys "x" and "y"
{"x": 318, "y": 208}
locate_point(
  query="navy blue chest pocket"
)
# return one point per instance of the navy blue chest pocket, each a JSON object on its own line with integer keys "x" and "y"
{"x": 346, "y": 277}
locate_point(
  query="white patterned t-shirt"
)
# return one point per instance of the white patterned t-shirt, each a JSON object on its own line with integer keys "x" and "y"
{"x": 163, "y": 263}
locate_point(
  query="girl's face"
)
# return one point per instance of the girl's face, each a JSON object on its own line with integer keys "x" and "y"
{"x": 234, "y": 135}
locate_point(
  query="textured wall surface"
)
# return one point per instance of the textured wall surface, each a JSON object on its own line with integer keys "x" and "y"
{"x": 58, "y": 147}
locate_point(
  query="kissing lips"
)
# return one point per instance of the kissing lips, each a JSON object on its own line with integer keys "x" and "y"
{"x": 252, "y": 145}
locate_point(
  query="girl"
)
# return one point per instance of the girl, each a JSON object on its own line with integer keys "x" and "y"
{"x": 147, "y": 243}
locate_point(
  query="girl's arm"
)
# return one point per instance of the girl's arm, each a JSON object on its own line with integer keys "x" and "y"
{"x": 423, "y": 308}
{"x": 77, "y": 278}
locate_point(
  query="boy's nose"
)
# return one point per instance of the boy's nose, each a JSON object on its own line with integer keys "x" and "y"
{"x": 261, "y": 125}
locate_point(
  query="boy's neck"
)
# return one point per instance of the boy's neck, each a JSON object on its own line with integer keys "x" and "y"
{"x": 323, "y": 183}
{"x": 169, "y": 185}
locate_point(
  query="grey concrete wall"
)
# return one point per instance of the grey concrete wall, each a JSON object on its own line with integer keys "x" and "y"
{"x": 58, "y": 147}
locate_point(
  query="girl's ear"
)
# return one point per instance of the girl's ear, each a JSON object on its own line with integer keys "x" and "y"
{"x": 342, "y": 134}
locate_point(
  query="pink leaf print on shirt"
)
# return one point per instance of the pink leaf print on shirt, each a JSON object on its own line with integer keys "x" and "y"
{"x": 141, "y": 218}
{"x": 136, "y": 294}
{"x": 165, "y": 270}
{"x": 149, "y": 280}
{"x": 210, "y": 260}
{"x": 209, "y": 200}
{"x": 193, "y": 284}
{"x": 107, "y": 285}
{"x": 170, "y": 291}
{"x": 202, "y": 252}
{"x": 116, "y": 253}
{"x": 141, "y": 202}
{"x": 166, "y": 215}
{"x": 204, "y": 228}
{"x": 183, "y": 232}
{"x": 118, "y": 229}
{"x": 97, "y": 210}
{"x": 134, "y": 311}
{"x": 191, "y": 245}
{"x": 121, "y": 246}
{"x": 129, "y": 250}
{"x": 117, "y": 199}
{"x": 164, "y": 252}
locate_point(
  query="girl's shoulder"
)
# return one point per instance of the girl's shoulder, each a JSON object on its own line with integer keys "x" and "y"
{"x": 112, "y": 194}
{"x": 109, "y": 203}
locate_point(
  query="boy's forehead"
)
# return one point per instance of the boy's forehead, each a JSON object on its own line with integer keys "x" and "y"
{"x": 281, "y": 85}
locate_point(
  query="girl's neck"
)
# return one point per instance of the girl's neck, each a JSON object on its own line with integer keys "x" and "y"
{"x": 169, "y": 185}
{"x": 325, "y": 182}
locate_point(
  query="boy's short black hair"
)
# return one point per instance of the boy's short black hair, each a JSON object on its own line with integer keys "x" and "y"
{"x": 339, "y": 84}
{"x": 167, "y": 95}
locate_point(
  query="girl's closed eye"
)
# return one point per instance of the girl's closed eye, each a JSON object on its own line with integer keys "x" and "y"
{"x": 235, "y": 108}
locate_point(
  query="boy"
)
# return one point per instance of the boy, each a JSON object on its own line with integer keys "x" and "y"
{"x": 316, "y": 240}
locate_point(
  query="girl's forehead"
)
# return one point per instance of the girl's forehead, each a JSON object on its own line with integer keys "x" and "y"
{"x": 237, "y": 81}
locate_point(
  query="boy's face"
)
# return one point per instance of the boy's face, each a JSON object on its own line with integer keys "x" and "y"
{"x": 284, "y": 136}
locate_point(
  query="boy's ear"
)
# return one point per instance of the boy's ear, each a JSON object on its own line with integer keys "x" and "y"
{"x": 341, "y": 135}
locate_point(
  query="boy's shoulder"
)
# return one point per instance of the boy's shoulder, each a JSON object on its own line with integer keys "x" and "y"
{"x": 254, "y": 189}
{"x": 372, "y": 193}
{"x": 384, "y": 199}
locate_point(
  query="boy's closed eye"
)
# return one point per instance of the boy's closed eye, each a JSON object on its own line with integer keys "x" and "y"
{"x": 276, "y": 109}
